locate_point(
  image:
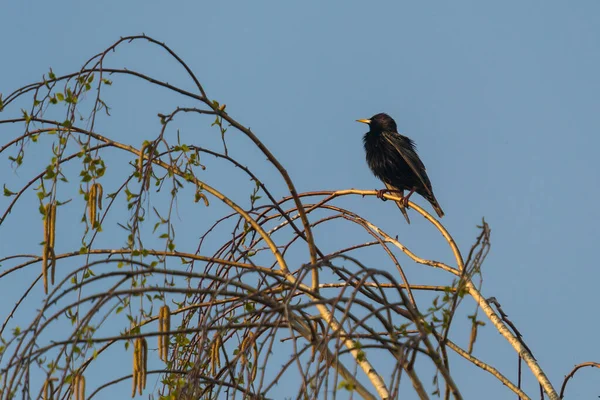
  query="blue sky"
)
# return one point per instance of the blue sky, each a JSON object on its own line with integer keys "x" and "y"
{"x": 501, "y": 98}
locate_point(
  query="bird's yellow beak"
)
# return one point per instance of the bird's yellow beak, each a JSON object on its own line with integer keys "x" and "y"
{"x": 364, "y": 121}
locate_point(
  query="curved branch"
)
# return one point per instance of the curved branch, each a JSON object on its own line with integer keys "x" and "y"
{"x": 572, "y": 374}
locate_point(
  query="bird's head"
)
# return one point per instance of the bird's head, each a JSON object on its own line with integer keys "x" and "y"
{"x": 380, "y": 122}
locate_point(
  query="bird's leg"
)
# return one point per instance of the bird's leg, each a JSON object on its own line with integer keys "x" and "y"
{"x": 405, "y": 199}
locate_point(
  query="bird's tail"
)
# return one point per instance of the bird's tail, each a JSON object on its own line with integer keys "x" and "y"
{"x": 399, "y": 203}
{"x": 435, "y": 205}
{"x": 403, "y": 211}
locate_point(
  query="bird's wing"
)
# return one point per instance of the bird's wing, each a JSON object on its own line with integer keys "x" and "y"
{"x": 409, "y": 155}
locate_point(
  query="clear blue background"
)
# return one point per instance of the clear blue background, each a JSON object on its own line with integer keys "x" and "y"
{"x": 502, "y": 99}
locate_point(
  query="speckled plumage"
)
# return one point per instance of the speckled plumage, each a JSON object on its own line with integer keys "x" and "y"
{"x": 393, "y": 158}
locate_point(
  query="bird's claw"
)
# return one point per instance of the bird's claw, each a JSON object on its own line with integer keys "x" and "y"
{"x": 380, "y": 194}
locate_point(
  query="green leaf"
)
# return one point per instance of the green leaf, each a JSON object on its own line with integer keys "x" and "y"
{"x": 18, "y": 160}
{"x": 7, "y": 192}
{"x": 60, "y": 96}
{"x": 49, "y": 172}
{"x": 26, "y": 116}
{"x": 346, "y": 385}
{"x": 71, "y": 98}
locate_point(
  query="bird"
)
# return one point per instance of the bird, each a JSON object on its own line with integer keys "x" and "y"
{"x": 393, "y": 159}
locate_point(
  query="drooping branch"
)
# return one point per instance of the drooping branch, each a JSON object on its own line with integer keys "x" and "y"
{"x": 242, "y": 299}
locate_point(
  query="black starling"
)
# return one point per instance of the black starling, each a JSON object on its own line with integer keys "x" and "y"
{"x": 393, "y": 158}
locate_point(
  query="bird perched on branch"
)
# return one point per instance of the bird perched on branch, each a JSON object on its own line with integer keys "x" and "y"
{"x": 393, "y": 158}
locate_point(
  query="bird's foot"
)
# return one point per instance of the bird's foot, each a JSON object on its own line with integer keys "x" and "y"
{"x": 380, "y": 194}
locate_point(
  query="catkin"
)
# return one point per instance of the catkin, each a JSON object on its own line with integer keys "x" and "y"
{"x": 92, "y": 205}
{"x": 255, "y": 362}
{"x": 244, "y": 346}
{"x": 48, "y": 389}
{"x": 215, "y": 359}
{"x": 144, "y": 364}
{"x": 94, "y": 202}
{"x": 145, "y": 178}
{"x": 164, "y": 326}
{"x": 48, "y": 255}
{"x": 81, "y": 387}
{"x": 140, "y": 365}
{"x": 52, "y": 257}
{"x": 141, "y": 160}
{"x": 45, "y": 249}
{"x": 99, "y": 193}
{"x": 78, "y": 387}
{"x": 473, "y": 337}
{"x": 52, "y": 235}
{"x": 52, "y": 226}
{"x": 134, "y": 378}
